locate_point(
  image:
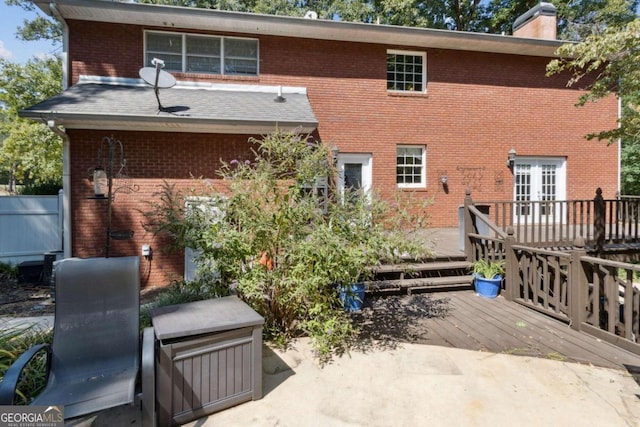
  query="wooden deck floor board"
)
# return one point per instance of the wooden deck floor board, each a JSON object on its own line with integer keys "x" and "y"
{"x": 562, "y": 339}
{"x": 514, "y": 338}
{"x": 466, "y": 318}
{"x": 467, "y": 321}
{"x": 539, "y": 334}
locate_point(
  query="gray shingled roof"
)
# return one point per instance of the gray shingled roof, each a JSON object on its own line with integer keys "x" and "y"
{"x": 134, "y": 107}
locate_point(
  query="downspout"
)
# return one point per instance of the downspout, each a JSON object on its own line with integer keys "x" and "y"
{"x": 66, "y": 187}
{"x": 66, "y": 167}
{"x": 619, "y": 147}
{"x": 65, "y": 44}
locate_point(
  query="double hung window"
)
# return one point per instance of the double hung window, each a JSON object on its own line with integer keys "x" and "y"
{"x": 411, "y": 166}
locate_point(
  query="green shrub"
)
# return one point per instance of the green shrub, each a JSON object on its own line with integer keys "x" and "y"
{"x": 14, "y": 342}
{"x": 42, "y": 189}
{"x": 8, "y": 272}
{"x": 285, "y": 247}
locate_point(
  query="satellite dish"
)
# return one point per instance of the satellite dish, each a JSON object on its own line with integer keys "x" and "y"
{"x": 311, "y": 15}
{"x": 157, "y": 78}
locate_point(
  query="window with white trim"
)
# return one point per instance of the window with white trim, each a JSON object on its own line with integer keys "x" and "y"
{"x": 191, "y": 53}
{"x": 411, "y": 166}
{"x": 406, "y": 71}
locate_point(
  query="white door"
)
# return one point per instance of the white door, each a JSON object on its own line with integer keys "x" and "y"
{"x": 538, "y": 180}
{"x": 354, "y": 172}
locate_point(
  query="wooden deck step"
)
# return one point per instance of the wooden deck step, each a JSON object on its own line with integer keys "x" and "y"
{"x": 421, "y": 284}
{"x": 426, "y": 266}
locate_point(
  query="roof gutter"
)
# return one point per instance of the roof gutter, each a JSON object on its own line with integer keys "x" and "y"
{"x": 183, "y": 18}
{"x": 65, "y": 44}
{"x": 66, "y": 187}
{"x": 166, "y": 124}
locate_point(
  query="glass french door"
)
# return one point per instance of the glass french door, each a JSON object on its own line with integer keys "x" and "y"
{"x": 538, "y": 180}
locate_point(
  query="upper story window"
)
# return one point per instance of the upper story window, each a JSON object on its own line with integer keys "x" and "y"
{"x": 411, "y": 166}
{"x": 406, "y": 71}
{"x": 190, "y": 53}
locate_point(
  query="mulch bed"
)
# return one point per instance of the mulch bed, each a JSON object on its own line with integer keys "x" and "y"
{"x": 28, "y": 299}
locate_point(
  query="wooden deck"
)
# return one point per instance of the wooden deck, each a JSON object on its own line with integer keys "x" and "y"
{"x": 464, "y": 320}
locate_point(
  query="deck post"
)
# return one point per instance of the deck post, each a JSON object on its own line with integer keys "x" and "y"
{"x": 599, "y": 214}
{"x": 577, "y": 283}
{"x": 511, "y": 283}
{"x": 468, "y": 226}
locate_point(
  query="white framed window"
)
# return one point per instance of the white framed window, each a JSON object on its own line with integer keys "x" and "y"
{"x": 411, "y": 166}
{"x": 192, "y": 53}
{"x": 406, "y": 71}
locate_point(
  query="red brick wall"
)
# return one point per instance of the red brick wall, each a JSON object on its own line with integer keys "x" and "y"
{"x": 477, "y": 107}
{"x": 151, "y": 159}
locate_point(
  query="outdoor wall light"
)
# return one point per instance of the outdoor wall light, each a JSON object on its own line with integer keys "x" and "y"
{"x": 444, "y": 179}
{"x": 334, "y": 154}
{"x": 100, "y": 182}
{"x": 511, "y": 160}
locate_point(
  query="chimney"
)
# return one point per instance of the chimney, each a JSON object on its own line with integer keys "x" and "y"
{"x": 538, "y": 23}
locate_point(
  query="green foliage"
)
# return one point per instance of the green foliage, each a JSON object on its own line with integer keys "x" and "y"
{"x": 269, "y": 240}
{"x": 606, "y": 64}
{"x": 8, "y": 272}
{"x": 630, "y": 171}
{"x": 29, "y": 152}
{"x": 576, "y": 20}
{"x": 42, "y": 189}
{"x": 40, "y": 27}
{"x": 488, "y": 269}
{"x": 18, "y": 90}
{"x": 15, "y": 341}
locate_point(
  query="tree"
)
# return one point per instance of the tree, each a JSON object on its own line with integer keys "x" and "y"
{"x": 29, "y": 152}
{"x": 283, "y": 247}
{"x": 458, "y": 15}
{"x": 38, "y": 28}
{"x": 607, "y": 65}
{"x": 576, "y": 19}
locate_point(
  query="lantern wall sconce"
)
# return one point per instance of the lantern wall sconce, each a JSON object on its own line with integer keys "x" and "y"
{"x": 444, "y": 179}
{"x": 511, "y": 159}
{"x": 334, "y": 154}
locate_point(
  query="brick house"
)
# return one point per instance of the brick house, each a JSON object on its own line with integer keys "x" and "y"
{"x": 428, "y": 111}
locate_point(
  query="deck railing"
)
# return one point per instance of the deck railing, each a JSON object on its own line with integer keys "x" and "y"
{"x": 595, "y": 295}
{"x": 558, "y": 223}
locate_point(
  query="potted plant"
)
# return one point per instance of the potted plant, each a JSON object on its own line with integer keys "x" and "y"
{"x": 488, "y": 277}
{"x": 352, "y": 296}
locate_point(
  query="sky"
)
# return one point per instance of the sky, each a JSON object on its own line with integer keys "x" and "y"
{"x": 17, "y": 50}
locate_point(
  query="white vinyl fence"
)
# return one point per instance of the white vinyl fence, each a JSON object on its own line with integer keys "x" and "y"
{"x": 30, "y": 226}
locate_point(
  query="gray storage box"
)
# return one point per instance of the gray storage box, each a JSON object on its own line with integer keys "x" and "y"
{"x": 209, "y": 358}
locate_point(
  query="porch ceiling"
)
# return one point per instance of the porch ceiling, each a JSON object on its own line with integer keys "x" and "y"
{"x": 213, "y": 109}
{"x": 214, "y": 20}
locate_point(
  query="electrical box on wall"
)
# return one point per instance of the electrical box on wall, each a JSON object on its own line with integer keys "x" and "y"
{"x": 146, "y": 250}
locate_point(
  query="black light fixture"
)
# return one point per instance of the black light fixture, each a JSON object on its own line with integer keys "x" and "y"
{"x": 511, "y": 159}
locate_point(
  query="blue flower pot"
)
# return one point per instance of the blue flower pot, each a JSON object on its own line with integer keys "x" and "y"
{"x": 488, "y": 288}
{"x": 352, "y": 296}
